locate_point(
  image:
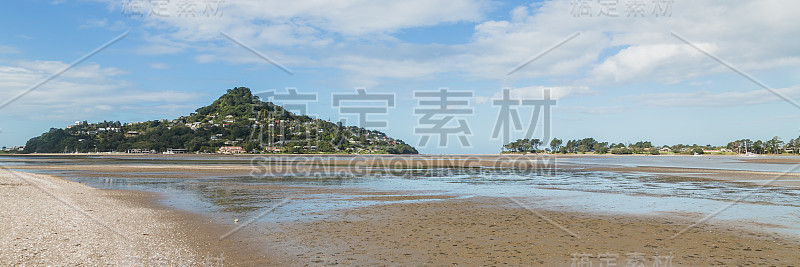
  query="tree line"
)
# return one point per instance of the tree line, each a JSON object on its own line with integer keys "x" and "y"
{"x": 590, "y": 145}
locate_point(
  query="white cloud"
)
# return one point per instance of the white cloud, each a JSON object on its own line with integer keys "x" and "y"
{"x": 300, "y": 30}
{"x": 7, "y": 49}
{"x": 663, "y": 62}
{"x": 286, "y": 22}
{"x": 733, "y": 30}
{"x": 382, "y": 68}
{"x": 159, "y": 66}
{"x": 104, "y": 24}
{"x": 750, "y": 35}
{"x": 597, "y": 110}
{"x": 356, "y": 36}
{"x": 86, "y": 90}
{"x": 537, "y": 92}
{"x": 161, "y": 45}
{"x": 704, "y": 98}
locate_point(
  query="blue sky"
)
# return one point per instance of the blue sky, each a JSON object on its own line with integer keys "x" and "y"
{"x": 622, "y": 79}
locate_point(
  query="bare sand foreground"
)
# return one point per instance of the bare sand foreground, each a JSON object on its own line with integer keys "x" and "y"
{"x": 49, "y": 221}
{"x": 45, "y": 222}
{"x": 497, "y": 231}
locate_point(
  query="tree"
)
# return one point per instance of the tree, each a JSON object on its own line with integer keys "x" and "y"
{"x": 555, "y": 144}
{"x": 570, "y": 147}
{"x": 758, "y": 147}
{"x": 600, "y": 148}
{"x": 774, "y": 145}
{"x": 534, "y": 144}
{"x": 793, "y": 145}
{"x": 236, "y": 118}
{"x": 621, "y": 150}
{"x": 587, "y": 143}
{"x": 523, "y": 145}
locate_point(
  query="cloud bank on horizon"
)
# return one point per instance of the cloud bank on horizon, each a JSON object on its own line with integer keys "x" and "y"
{"x": 625, "y": 77}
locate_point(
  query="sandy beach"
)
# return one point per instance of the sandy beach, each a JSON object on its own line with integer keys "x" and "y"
{"x": 49, "y": 220}
{"x": 490, "y": 231}
{"x": 46, "y": 220}
{"x": 580, "y": 133}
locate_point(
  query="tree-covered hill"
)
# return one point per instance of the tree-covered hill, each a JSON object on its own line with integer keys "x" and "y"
{"x": 236, "y": 119}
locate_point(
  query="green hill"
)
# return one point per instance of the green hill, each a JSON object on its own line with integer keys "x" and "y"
{"x": 236, "y": 119}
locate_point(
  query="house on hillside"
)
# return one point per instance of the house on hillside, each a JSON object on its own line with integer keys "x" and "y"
{"x": 231, "y": 150}
{"x": 140, "y": 151}
{"x": 272, "y": 149}
{"x": 176, "y": 151}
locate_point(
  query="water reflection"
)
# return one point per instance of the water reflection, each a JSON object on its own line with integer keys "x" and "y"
{"x": 227, "y": 196}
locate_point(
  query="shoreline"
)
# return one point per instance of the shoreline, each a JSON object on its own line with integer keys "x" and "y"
{"x": 365, "y": 164}
{"x": 472, "y": 230}
{"x": 496, "y": 231}
{"x": 420, "y": 154}
{"x": 50, "y": 220}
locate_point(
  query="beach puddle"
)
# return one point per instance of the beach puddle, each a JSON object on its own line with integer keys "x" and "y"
{"x": 314, "y": 197}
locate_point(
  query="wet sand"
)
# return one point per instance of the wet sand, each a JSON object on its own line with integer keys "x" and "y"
{"x": 775, "y": 160}
{"x": 497, "y": 231}
{"x": 372, "y": 164}
{"x": 46, "y": 220}
{"x": 442, "y": 230}
{"x": 753, "y": 177}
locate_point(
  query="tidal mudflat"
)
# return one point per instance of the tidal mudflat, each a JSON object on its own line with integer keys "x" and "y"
{"x": 526, "y": 210}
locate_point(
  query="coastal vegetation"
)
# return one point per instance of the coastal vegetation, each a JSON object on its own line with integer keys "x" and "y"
{"x": 773, "y": 146}
{"x": 237, "y": 122}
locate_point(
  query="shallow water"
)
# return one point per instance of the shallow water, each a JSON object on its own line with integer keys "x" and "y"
{"x": 227, "y": 197}
{"x": 703, "y": 162}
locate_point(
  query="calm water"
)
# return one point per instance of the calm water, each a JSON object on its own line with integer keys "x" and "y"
{"x": 226, "y": 197}
{"x": 704, "y": 162}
